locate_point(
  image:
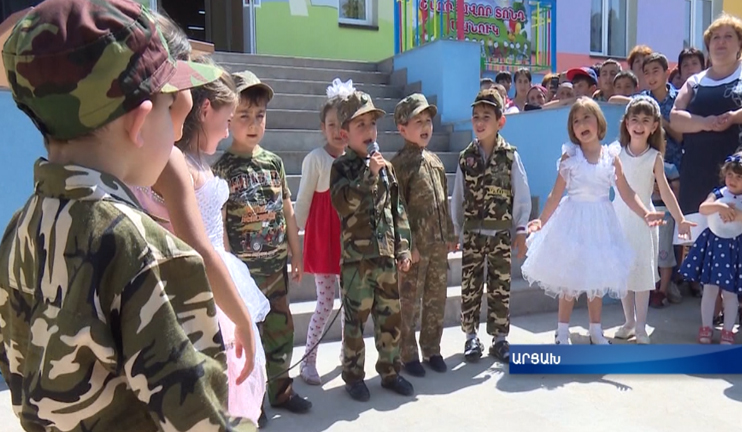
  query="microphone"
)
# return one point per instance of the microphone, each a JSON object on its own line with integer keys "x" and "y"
{"x": 370, "y": 150}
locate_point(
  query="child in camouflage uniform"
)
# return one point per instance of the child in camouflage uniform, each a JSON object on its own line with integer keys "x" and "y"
{"x": 375, "y": 241}
{"x": 423, "y": 186}
{"x": 490, "y": 197}
{"x": 260, "y": 228}
{"x": 107, "y": 320}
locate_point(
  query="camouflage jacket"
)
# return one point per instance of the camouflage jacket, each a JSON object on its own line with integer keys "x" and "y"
{"x": 373, "y": 220}
{"x": 424, "y": 189}
{"x": 107, "y": 322}
{"x": 256, "y": 222}
{"x": 488, "y": 189}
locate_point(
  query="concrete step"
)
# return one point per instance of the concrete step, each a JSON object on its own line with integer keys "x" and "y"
{"x": 270, "y": 60}
{"x": 315, "y": 102}
{"x": 295, "y": 119}
{"x": 524, "y": 300}
{"x": 319, "y": 88}
{"x": 294, "y": 180}
{"x": 308, "y": 140}
{"x": 292, "y": 160}
{"x": 311, "y": 74}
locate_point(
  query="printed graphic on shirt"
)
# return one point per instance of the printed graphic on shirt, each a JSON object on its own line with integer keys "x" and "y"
{"x": 256, "y": 223}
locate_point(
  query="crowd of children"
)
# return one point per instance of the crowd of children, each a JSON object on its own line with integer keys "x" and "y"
{"x": 169, "y": 272}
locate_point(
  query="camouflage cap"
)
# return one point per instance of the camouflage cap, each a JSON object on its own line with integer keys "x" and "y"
{"x": 489, "y": 97}
{"x": 357, "y": 104}
{"x": 246, "y": 79}
{"x": 76, "y": 65}
{"x": 411, "y": 106}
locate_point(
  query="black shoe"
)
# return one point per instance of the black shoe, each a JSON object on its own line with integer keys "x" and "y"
{"x": 358, "y": 391}
{"x": 414, "y": 368}
{"x": 262, "y": 420}
{"x": 437, "y": 364}
{"x": 399, "y": 385}
{"x": 500, "y": 350}
{"x": 473, "y": 350}
{"x": 296, "y": 404}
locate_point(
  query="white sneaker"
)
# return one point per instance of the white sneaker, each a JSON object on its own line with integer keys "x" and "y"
{"x": 310, "y": 375}
{"x": 599, "y": 339}
{"x": 673, "y": 294}
{"x": 642, "y": 339}
{"x": 562, "y": 339}
{"x": 625, "y": 332}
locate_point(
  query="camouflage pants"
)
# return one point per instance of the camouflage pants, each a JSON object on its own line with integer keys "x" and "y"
{"x": 277, "y": 333}
{"x": 370, "y": 287}
{"x": 495, "y": 251}
{"x": 425, "y": 281}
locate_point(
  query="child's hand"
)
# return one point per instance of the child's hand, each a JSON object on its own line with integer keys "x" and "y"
{"x": 654, "y": 218}
{"x": 534, "y": 226}
{"x": 244, "y": 342}
{"x": 403, "y": 265}
{"x": 520, "y": 245}
{"x": 453, "y": 247}
{"x": 684, "y": 229}
{"x": 376, "y": 163}
{"x": 728, "y": 212}
{"x": 297, "y": 268}
{"x": 415, "y": 256}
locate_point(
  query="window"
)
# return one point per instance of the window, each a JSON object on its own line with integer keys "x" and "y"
{"x": 608, "y": 28}
{"x": 698, "y": 16}
{"x": 355, "y": 12}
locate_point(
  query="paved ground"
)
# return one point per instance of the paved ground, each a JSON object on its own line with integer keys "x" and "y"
{"x": 483, "y": 397}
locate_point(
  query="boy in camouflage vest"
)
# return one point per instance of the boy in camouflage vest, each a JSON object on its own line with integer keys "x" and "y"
{"x": 107, "y": 320}
{"x": 261, "y": 228}
{"x": 423, "y": 186}
{"x": 375, "y": 242}
{"x": 490, "y": 197}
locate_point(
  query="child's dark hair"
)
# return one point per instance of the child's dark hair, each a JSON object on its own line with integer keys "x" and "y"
{"x": 592, "y": 107}
{"x": 580, "y": 78}
{"x": 177, "y": 40}
{"x": 255, "y": 96}
{"x": 219, "y": 93}
{"x": 733, "y": 163}
{"x": 690, "y": 53}
{"x": 612, "y": 62}
{"x": 331, "y": 103}
{"x": 656, "y": 58}
{"x": 627, "y": 74}
{"x": 486, "y": 83}
{"x": 503, "y": 76}
{"x": 523, "y": 72}
{"x": 647, "y": 106}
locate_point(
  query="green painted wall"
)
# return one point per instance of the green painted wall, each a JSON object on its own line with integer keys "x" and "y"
{"x": 317, "y": 34}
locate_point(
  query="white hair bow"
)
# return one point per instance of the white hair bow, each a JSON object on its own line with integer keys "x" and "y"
{"x": 340, "y": 89}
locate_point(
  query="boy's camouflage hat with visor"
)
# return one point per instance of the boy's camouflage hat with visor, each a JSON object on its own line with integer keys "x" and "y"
{"x": 357, "y": 104}
{"x": 74, "y": 66}
{"x": 411, "y": 106}
{"x": 490, "y": 97}
{"x": 246, "y": 80}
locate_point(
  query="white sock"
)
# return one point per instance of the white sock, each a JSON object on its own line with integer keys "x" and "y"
{"x": 471, "y": 336}
{"x": 731, "y": 306}
{"x": 642, "y": 309}
{"x": 563, "y": 329}
{"x": 628, "y": 309}
{"x": 500, "y": 338}
{"x": 708, "y": 304}
{"x": 596, "y": 329}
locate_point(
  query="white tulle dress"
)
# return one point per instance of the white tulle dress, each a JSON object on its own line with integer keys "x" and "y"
{"x": 245, "y": 400}
{"x": 581, "y": 248}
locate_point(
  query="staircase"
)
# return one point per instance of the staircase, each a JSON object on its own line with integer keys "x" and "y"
{"x": 293, "y": 130}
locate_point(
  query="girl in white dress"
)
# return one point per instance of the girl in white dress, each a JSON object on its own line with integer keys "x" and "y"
{"x": 206, "y": 125}
{"x": 642, "y": 144}
{"x": 577, "y": 244}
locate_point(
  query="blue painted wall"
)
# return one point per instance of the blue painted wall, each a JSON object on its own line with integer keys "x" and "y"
{"x": 21, "y": 145}
{"x": 539, "y": 136}
{"x": 447, "y": 69}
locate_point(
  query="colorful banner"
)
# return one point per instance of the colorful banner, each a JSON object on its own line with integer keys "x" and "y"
{"x": 625, "y": 359}
{"x": 512, "y": 33}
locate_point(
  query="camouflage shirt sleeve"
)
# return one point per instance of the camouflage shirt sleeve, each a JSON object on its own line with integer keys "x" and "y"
{"x": 171, "y": 347}
{"x": 348, "y": 194}
{"x": 284, "y": 183}
{"x": 402, "y": 233}
{"x": 403, "y": 177}
{"x": 452, "y": 237}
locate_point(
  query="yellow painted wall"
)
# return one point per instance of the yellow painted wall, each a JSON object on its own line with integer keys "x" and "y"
{"x": 733, "y": 7}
